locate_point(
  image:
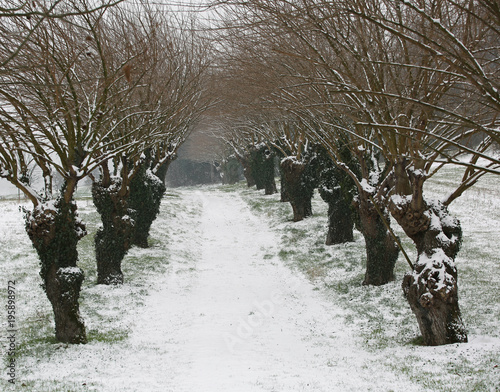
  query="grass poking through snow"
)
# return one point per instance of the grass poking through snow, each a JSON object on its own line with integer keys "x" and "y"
{"x": 381, "y": 316}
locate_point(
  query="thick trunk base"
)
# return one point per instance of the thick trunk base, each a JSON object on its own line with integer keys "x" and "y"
{"x": 297, "y": 186}
{"x": 110, "y": 249}
{"x": 55, "y": 232}
{"x": 381, "y": 248}
{"x": 439, "y": 319}
{"x": 340, "y": 224}
{"x": 63, "y": 290}
{"x": 432, "y": 288}
{"x": 146, "y": 193}
{"x": 301, "y": 209}
{"x": 113, "y": 240}
{"x": 262, "y": 168}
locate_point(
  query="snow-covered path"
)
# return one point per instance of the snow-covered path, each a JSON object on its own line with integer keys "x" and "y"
{"x": 223, "y": 314}
{"x": 214, "y": 305}
{"x": 233, "y": 318}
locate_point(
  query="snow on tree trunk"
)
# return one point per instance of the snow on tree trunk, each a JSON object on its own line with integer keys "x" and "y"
{"x": 113, "y": 240}
{"x": 54, "y": 230}
{"x": 431, "y": 288}
{"x": 146, "y": 192}
{"x": 381, "y": 248}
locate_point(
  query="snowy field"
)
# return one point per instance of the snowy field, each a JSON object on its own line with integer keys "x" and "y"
{"x": 233, "y": 296}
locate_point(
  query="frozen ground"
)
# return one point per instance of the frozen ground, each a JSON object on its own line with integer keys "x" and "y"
{"x": 215, "y": 305}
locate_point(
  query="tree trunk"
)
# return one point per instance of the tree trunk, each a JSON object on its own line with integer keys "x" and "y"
{"x": 431, "y": 289}
{"x": 55, "y": 231}
{"x": 262, "y": 168}
{"x": 297, "y": 187}
{"x": 247, "y": 168}
{"x": 113, "y": 240}
{"x": 146, "y": 192}
{"x": 337, "y": 189}
{"x": 340, "y": 222}
{"x": 381, "y": 248}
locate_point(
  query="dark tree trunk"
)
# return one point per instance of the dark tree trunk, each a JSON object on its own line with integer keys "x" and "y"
{"x": 161, "y": 173}
{"x": 55, "y": 231}
{"x": 247, "y": 168}
{"x": 113, "y": 240}
{"x": 337, "y": 189}
{"x": 146, "y": 192}
{"x": 431, "y": 289}
{"x": 230, "y": 170}
{"x": 340, "y": 222}
{"x": 381, "y": 248}
{"x": 297, "y": 187}
{"x": 262, "y": 168}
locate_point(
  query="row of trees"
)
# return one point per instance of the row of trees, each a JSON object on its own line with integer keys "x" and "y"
{"x": 391, "y": 91}
{"x": 93, "y": 90}
{"x": 365, "y": 99}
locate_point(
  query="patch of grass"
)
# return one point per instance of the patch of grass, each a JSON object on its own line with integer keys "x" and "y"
{"x": 111, "y": 337}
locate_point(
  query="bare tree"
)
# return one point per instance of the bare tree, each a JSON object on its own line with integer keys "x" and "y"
{"x": 64, "y": 103}
{"x": 312, "y": 59}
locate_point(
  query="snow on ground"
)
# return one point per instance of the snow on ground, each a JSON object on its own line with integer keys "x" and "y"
{"x": 220, "y": 313}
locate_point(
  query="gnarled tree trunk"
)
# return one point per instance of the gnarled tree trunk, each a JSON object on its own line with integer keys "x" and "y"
{"x": 381, "y": 248}
{"x": 55, "y": 230}
{"x": 431, "y": 289}
{"x": 262, "y": 168}
{"x": 340, "y": 222}
{"x": 336, "y": 189}
{"x": 244, "y": 160}
{"x": 146, "y": 192}
{"x": 113, "y": 240}
{"x": 297, "y": 188}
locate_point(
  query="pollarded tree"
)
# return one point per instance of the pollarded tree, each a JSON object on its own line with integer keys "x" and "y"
{"x": 254, "y": 153}
{"x": 60, "y": 101}
{"x": 416, "y": 84}
{"x": 298, "y": 163}
{"x": 182, "y": 97}
{"x": 338, "y": 190}
{"x": 128, "y": 199}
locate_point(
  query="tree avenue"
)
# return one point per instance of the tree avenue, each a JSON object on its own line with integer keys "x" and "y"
{"x": 364, "y": 100}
